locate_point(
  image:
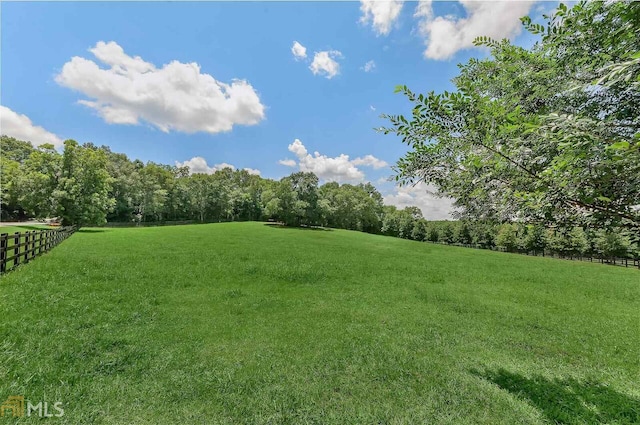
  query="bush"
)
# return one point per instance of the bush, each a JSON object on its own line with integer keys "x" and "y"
{"x": 533, "y": 238}
{"x": 611, "y": 244}
{"x": 507, "y": 237}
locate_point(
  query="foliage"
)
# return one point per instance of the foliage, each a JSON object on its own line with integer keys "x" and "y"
{"x": 446, "y": 233}
{"x": 81, "y": 194}
{"x": 419, "y": 231}
{"x": 400, "y": 223}
{"x": 463, "y": 233}
{"x": 567, "y": 242}
{"x": 507, "y": 237}
{"x": 611, "y": 244}
{"x": 353, "y": 207}
{"x": 533, "y": 238}
{"x": 547, "y": 135}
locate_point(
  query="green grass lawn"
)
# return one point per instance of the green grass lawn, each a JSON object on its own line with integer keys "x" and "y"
{"x": 247, "y": 323}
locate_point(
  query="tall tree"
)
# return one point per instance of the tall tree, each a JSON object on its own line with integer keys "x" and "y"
{"x": 300, "y": 198}
{"x": 201, "y": 192}
{"x": 549, "y": 134}
{"x": 39, "y": 178}
{"x": 82, "y": 193}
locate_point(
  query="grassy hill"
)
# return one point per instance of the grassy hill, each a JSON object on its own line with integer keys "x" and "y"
{"x": 250, "y": 323}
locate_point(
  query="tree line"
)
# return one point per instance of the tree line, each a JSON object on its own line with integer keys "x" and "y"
{"x": 512, "y": 237}
{"x": 90, "y": 185}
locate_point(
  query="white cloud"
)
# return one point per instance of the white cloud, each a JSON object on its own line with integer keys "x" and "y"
{"x": 381, "y": 13}
{"x": 446, "y": 35}
{"x": 422, "y": 196}
{"x": 198, "y": 164}
{"x": 424, "y": 12}
{"x": 20, "y": 126}
{"x": 175, "y": 97}
{"x": 299, "y": 51}
{"x": 252, "y": 171}
{"x": 373, "y": 108}
{"x": 324, "y": 63}
{"x": 370, "y": 161}
{"x": 222, "y": 166}
{"x": 339, "y": 168}
{"x": 288, "y": 162}
{"x": 369, "y": 66}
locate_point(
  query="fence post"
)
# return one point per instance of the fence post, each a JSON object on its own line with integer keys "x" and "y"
{"x": 33, "y": 243}
{"x": 32, "y": 236}
{"x": 26, "y": 247}
{"x": 3, "y": 252}
{"x": 16, "y": 249}
{"x": 29, "y": 245}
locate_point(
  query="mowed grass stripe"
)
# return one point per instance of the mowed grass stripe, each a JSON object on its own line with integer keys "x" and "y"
{"x": 249, "y": 323}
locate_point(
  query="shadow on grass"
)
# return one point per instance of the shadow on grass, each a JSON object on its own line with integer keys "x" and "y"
{"x": 569, "y": 401}
{"x": 91, "y": 230}
{"x": 283, "y": 226}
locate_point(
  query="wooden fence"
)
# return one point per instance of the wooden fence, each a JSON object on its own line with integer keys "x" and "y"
{"x": 614, "y": 261}
{"x": 22, "y": 247}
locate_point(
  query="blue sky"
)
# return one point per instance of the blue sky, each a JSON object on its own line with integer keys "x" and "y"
{"x": 249, "y": 97}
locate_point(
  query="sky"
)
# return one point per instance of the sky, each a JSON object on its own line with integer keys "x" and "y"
{"x": 271, "y": 87}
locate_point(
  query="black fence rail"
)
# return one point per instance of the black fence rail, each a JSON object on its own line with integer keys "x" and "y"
{"x": 21, "y": 247}
{"x": 613, "y": 261}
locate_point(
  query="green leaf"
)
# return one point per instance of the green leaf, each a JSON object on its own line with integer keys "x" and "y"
{"x": 619, "y": 146}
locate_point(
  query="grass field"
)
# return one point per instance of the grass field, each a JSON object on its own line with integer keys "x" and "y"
{"x": 247, "y": 323}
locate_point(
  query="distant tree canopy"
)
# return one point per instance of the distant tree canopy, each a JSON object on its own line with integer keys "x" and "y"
{"x": 547, "y": 135}
{"x": 42, "y": 183}
{"x": 89, "y": 185}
